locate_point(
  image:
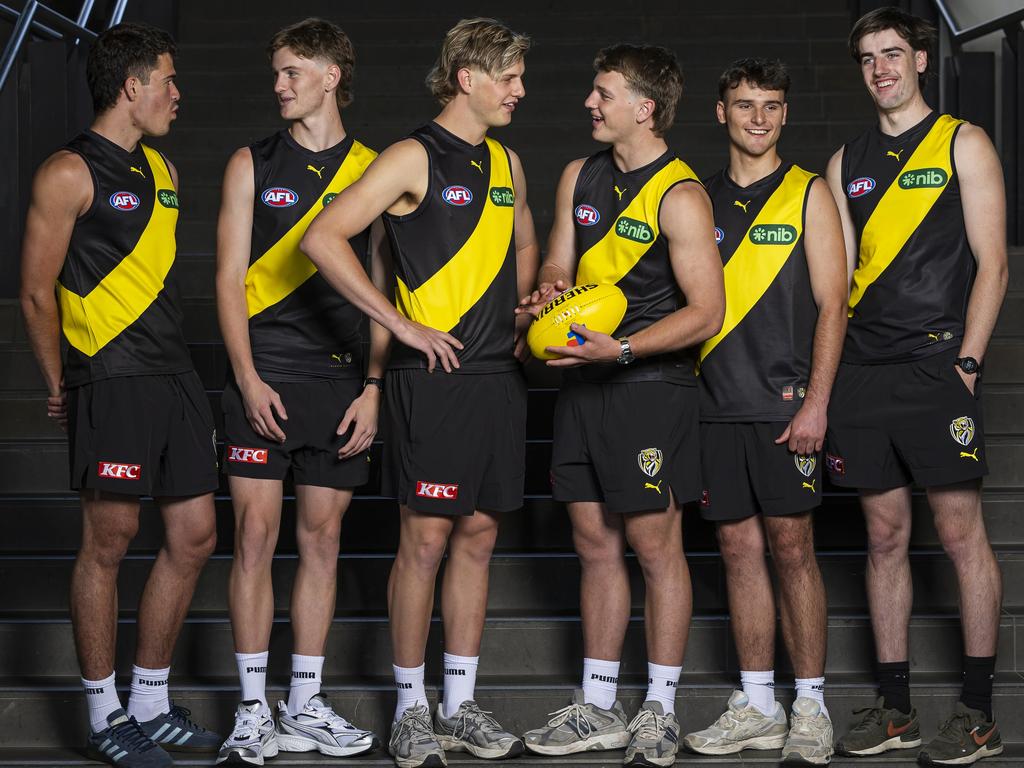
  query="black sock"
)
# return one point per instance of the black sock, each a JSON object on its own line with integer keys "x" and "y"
{"x": 977, "y": 691}
{"x": 894, "y": 685}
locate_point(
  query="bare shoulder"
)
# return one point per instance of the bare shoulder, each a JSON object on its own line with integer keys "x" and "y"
{"x": 972, "y": 141}
{"x": 64, "y": 167}
{"x": 689, "y": 193}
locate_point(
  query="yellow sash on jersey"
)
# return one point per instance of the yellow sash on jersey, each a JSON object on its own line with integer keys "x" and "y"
{"x": 91, "y": 322}
{"x": 455, "y": 288}
{"x": 901, "y": 210}
{"x": 283, "y": 268}
{"x": 755, "y": 265}
{"x": 612, "y": 257}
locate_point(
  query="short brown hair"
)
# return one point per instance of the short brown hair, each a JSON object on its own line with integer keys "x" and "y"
{"x": 484, "y": 44}
{"x": 918, "y": 32}
{"x": 650, "y": 71}
{"x": 766, "y": 74}
{"x": 319, "y": 39}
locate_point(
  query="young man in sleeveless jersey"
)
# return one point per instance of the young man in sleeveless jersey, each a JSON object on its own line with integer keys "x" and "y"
{"x": 625, "y": 453}
{"x": 100, "y": 229}
{"x": 923, "y": 210}
{"x": 296, "y": 398}
{"x": 462, "y": 243}
{"x": 764, "y": 381}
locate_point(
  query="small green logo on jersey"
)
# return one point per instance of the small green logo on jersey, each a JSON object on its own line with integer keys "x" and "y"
{"x": 503, "y": 196}
{"x": 923, "y": 178}
{"x": 328, "y": 197}
{"x": 772, "y": 234}
{"x": 168, "y": 198}
{"x": 631, "y": 229}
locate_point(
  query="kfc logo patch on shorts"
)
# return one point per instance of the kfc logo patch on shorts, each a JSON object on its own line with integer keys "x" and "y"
{"x": 436, "y": 490}
{"x": 240, "y": 455}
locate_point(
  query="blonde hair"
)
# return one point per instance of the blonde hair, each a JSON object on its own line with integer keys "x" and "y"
{"x": 484, "y": 44}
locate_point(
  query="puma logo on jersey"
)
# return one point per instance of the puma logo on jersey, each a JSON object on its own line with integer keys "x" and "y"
{"x": 809, "y": 486}
{"x": 478, "y": 165}
{"x": 890, "y": 153}
{"x": 933, "y": 336}
{"x": 619, "y": 192}
{"x": 972, "y": 455}
{"x": 654, "y": 487}
{"x": 133, "y": 169}
{"x": 318, "y": 171}
{"x": 738, "y": 204}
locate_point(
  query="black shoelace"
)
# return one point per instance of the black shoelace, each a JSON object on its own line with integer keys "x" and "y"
{"x": 130, "y": 735}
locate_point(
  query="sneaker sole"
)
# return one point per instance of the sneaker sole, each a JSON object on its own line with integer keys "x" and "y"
{"x": 196, "y": 750}
{"x": 981, "y": 754}
{"x": 451, "y": 744}
{"x": 593, "y": 744}
{"x": 288, "y": 742}
{"x": 429, "y": 761}
{"x": 894, "y": 743}
{"x": 760, "y": 742}
{"x": 236, "y": 759}
{"x": 654, "y": 762}
{"x": 795, "y": 758}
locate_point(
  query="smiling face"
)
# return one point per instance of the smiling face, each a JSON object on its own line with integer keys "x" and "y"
{"x": 890, "y": 68}
{"x": 753, "y": 116}
{"x": 156, "y": 102}
{"x": 302, "y": 85}
{"x": 615, "y": 111}
{"x": 494, "y": 98}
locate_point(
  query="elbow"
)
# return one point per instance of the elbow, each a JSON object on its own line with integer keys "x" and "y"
{"x": 35, "y": 301}
{"x": 714, "y": 319}
{"x": 311, "y": 245}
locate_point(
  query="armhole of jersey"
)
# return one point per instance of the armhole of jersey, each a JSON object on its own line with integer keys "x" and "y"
{"x": 508, "y": 159}
{"x": 952, "y": 154}
{"x": 91, "y": 210}
{"x": 418, "y": 211}
{"x": 813, "y": 177}
{"x": 167, "y": 165}
{"x": 844, "y": 167}
{"x": 675, "y": 184}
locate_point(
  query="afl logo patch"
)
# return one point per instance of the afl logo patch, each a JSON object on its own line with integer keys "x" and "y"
{"x": 860, "y": 187}
{"x": 124, "y": 201}
{"x": 719, "y": 235}
{"x": 457, "y": 195}
{"x": 279, "y": 197}
{"x": 587, "y": 215}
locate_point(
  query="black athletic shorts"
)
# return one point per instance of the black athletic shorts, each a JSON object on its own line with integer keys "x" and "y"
{"x": 142, "y": 436}
{"x": 310, "y": 450}
{"x": 455, "y": 442}
{"x": 626, "y": 445}
{"x": 889, "y": 425}
{"x": 746, "y": 473}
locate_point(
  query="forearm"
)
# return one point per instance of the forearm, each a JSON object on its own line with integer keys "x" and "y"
{"x": 685, "y": 327}
{"x": 233, "y": 314}
{"x": 551, "y": 272}
{"x": 983, "y": 309}
{"x": 829, "y": 334}
{"x": 42, "y": 324}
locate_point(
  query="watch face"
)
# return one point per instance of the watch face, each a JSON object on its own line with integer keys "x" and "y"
{"x": 968, "y": 364}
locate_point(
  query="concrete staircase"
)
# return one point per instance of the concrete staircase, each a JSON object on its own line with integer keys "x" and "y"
{"x": 531, "y": 655}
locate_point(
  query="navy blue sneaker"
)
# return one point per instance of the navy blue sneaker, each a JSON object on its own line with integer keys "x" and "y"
{"x": 175, "y": 732}
{"x": 124, "y": 744}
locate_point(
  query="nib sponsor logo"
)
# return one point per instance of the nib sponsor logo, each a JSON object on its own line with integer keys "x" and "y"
{"x": 436, "y": 490}
{"x": 241, "y": 455}
{"x": 115, "y": 471}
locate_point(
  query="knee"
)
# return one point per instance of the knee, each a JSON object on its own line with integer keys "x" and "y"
{"x": 739, "y": 545}
{"x": 423, "y": 551}
{"x": 254, "y": 542}
{"x": 194, "y": 544}
{"x": 656, "y": 553}
{"x": 107, "y": 547}
{"x": 887, "y": 538}
{"x": 962, "y": 543}
{"x": 319, "y": 546}
{"x": 791, "y": 554}
{"x": 476, "y": 546}
{"x": 597, "y": 551}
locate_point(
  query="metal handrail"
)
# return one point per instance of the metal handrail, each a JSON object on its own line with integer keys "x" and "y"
{"x": 961, "y": 36}
{"x": 26, "y": 21}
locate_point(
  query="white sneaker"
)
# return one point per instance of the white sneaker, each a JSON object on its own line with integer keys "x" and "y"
{"x": 810, "y": 740}
{"x": 318, "y": 727}
{"x": 252, "y": 739}
{"x": 741, "y": 726}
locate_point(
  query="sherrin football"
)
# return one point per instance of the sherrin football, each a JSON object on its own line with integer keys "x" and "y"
{"x": 599, "y": 307}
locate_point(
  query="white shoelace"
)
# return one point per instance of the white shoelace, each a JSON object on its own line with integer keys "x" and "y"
{"x": 583, "y": 725}
{"x": 648, "y": 724}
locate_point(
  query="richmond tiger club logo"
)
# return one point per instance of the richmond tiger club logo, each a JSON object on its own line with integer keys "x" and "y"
{"x": 650, "y": 461}
{"x": 805, "y": 464}
{"x": 962, "y": 430}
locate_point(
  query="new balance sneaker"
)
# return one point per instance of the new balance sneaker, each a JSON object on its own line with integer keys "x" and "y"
{"x": 176, "y": 732}
{"x": 741, "y": 726}
{"x": 654, "y": 736}
{"x": 967, "y": 737}
{"x": 810, "y": 735}
{"x": 253, "y": 739}
{"x": 580, "y": 727}
{"x": 124, "y": 744}
{"x": 413, "y": 743}
{"x": 473, "y": 730}
{"x": 318, "y": 727}
{"x": 879, "y": 730}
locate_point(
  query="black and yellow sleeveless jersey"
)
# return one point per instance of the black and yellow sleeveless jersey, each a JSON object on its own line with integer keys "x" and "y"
{"x": 618, "y": 237}
{"x": 757, "y": 367}
{"x": 454, "y": 256}
{"x": 299, "y": 327}
{"x": 915, "y": 268}
{"x": 117, "y": 295}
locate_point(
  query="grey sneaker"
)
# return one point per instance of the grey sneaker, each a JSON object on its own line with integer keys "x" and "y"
{"x": 580, "y": 727}
{"x": 473, "y": 730}
{"x": 176, "y": 731}
{"x": 741, "y": 726}
{"x": 413, "y": 743}
{"x": 878, "y": 730}
{"x": 810, "y": 740}
{"x": 318, "y": 727}
{"x": 124, "y": 744}
{"x": 252, "y": 739}
{"x": 655, "y": 738}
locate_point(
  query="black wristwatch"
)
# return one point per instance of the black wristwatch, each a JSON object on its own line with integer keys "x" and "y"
{"x": 378, "y": 383}
{"x": 968, "y": 365}
{"x": 626, "y": 356}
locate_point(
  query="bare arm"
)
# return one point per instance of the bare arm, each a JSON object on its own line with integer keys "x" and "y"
{"x": 61, "y": 192}
{"x": 527, "y": 252}
{"x": 396, "y": 177}
{"x": 984, "y": 205}
{"x": 826, "y": 263}
{"x": 834, "y": 176}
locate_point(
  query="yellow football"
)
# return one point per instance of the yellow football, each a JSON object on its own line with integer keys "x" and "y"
{"x": 598, "y": 307}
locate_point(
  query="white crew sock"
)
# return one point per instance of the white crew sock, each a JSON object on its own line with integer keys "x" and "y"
{"x": 306, "y": 672}
{"x": 661, "y": 685}
{"x": 459, "y": 681}
{"x": 812, "y": 688}
{"x": 252, "y": 673}
{"x": 409, "y": 683}
{"x": 600, "y": 682}
{"x": 760, "y": 689}
{"x": 148, "y": 697}
{"x": 101, "y": 696}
